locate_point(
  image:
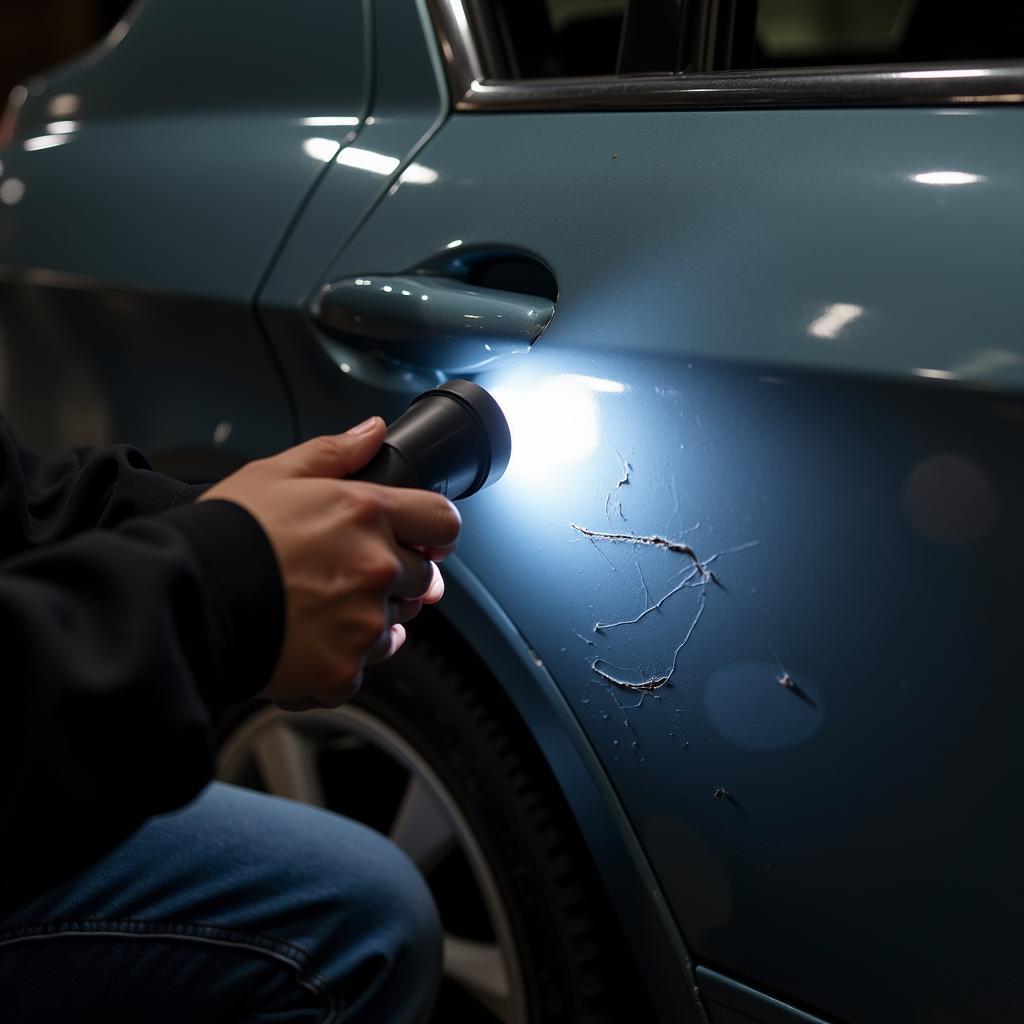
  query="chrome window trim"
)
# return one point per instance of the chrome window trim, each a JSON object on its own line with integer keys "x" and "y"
{"x": 876, "y": 85}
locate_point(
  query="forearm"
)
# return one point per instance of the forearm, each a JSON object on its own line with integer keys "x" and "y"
{"x": 43, "y": 500}
{"x": 121, "y": 647}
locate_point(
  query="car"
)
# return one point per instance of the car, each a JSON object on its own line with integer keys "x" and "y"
{"x": 719, "y": 718}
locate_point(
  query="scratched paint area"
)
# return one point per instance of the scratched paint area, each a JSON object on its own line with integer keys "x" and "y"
{"x": 673, "y": 589}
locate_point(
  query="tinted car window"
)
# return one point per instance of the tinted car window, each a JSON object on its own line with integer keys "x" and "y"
{"x": 808, "y": 33}
{"x": 550, "y": 38}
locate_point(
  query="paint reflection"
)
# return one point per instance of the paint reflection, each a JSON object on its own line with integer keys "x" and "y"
{"x": 947, "y": 178}
{"x": 320, "y": 149}
{"x": 833, "y": 319}
{"x": 368, "y": 160}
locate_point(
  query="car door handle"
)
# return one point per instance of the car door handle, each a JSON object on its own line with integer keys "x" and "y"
{"x": 432, "y": 321}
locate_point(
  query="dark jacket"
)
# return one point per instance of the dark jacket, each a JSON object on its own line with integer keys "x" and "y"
{"x": 129, "y": 619}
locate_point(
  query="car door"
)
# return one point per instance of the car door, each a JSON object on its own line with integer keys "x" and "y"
{"x": 760, "y": 523}
{"x": 144, "y": 190}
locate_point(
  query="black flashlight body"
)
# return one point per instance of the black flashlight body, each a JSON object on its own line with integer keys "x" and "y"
{"x": 453, "y": 439}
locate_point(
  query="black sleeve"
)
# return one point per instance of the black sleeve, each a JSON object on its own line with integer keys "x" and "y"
{"x": 43, "y": 500}
{"x": 120, "y": 647}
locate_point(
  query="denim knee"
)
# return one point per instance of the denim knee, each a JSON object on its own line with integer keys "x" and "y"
{"x": 392, "y": 972}
{"x": 325, "y": 906}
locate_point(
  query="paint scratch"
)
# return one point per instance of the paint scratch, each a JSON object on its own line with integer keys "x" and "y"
{"x": 785, "y": 680}
{"x": 652, "y": 683}
{"x": 652, "y": 540}
{"x": 609, "y": 506}
{"x": 653, "y": 606}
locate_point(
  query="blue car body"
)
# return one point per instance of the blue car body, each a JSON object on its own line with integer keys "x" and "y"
{"x": 751, "y": 577}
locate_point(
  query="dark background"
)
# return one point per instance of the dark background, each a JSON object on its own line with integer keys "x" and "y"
{"x": 37, "y": 34}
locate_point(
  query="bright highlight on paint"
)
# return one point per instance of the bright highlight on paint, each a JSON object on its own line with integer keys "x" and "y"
{"x": 331, "y": 122}
{"x": 417, "y": 174}
{"x": 947, "y": 178}
{"x": 833, "y": 319}
{"x": 320, "y": 149}
{"x": 44, "y": 142}
{"x": 368, "y": 160}
{"x": 554, "y": 421}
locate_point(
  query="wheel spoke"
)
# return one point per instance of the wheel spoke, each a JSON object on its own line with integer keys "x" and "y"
{"x": 421, "y": 827}
{"x": 479, "y": 968}
{"x": 287, "y": 762}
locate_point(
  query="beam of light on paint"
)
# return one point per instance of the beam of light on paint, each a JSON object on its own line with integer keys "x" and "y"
{"x": 554, "y": 422}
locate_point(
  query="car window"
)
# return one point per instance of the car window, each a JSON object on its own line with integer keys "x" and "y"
{"x": 523, "y": 39}
{"x": 809, "y": 33}
{"x": 619, "y": 54}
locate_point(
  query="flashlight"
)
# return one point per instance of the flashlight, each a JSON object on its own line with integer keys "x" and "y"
{"x": 453, "y": 439}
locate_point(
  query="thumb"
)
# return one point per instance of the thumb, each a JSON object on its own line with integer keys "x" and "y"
{"x": 336, "y": 455}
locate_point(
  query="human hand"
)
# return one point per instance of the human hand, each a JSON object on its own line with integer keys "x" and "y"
{"x": 357, "y": 559}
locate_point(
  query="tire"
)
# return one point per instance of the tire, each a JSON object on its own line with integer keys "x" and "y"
{"x": 456, "y": 779}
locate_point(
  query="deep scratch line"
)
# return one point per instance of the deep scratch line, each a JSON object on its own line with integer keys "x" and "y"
{"x": 653, "y": 540}
{"x": 626, "y": 470}
{"x": 654, "y": 682}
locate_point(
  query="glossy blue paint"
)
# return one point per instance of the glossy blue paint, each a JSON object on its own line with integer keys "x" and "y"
{"x": 336, "y": 385}
{"x": 192, "y": 58}
{"x": 194, "y": 196}
{"x": 795, "y": 351}
{"x": 432, "y": 321}
{"x": 192, "y": 206}
{"x": 409, "y": 103}
{"x": 663, "y": 958}
{"x": 154, "y": 185}
{"x": 762, "y": 236}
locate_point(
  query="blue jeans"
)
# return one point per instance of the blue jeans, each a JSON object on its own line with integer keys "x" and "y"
{"x": 240, "y": 907}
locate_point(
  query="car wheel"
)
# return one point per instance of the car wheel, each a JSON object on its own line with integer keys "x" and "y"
{"x": 434, "y": 755}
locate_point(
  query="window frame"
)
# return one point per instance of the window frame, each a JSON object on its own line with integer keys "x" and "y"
{"x": 924, "y": 84}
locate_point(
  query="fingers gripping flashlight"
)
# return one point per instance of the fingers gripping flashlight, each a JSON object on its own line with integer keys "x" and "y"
{"x": 453, "y": 439}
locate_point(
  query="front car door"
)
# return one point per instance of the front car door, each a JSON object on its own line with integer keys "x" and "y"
{"x": 760, "y": 524}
